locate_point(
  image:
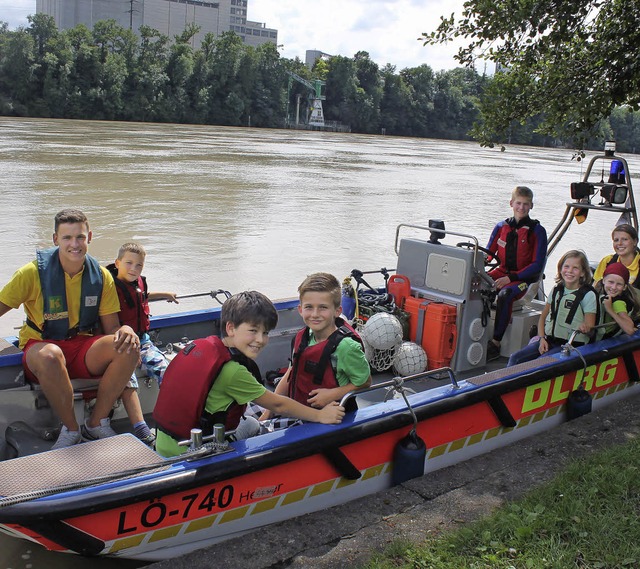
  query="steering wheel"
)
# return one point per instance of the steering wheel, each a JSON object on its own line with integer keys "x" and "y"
{"x": 489, "y": 264}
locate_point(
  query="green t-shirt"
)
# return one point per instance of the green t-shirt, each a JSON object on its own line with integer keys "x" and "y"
{"x": 349, "y": 361}
{"x": 234, "y": 383}
{"x": 611, "y": 325}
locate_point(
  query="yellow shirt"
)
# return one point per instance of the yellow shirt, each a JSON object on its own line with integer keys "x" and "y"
{"x": 634, "y": 268}
{"x": 24, "y": 288}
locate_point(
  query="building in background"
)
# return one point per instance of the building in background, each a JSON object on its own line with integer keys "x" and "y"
{"x": 313, "y": 55}
{"x": 169, "y": 17}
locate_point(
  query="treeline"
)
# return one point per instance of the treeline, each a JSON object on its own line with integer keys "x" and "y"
{"x": 110, "y": 73}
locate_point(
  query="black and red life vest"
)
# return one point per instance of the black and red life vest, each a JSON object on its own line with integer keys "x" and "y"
{"x": 516, "y": 243}
{"x": 134, "y": 303}
{"x": 311, "y": 367}
{"x": 186, "y": 384}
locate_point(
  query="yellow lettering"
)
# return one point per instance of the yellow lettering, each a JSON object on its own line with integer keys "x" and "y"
{"x": 607, "y": 372}
{"x": 535, "y": 396}
{"x": 558, "y": 394}
{"x": 587, "y": 375}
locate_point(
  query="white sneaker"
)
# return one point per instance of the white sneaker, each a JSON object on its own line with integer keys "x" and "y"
{"x": 67, "y": 438}
{"x": 102, "y": 431}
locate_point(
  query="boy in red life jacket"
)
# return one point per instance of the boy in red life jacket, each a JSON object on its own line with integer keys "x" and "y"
{"x": 245, "y": 321}
{"x": 134, "y": 311}
{"x": 328, "y": 356}
{"x": 520, "y": 243}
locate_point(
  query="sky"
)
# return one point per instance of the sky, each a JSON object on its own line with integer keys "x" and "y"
{"x": 386, "y": 29}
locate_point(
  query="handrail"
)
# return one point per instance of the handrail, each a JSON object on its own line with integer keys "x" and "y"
{"x": 562, "y": 227}
{"x": 437, "y": 230}
{"x": 482, "y": 274}
{"x": 574, "y": 333}
{"x": 397, "y": 382}
{"x": 212, "y": 293}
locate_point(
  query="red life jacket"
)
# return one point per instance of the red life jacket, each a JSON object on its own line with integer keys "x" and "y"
{"x": 311, "y": 368}
{"x": 186, "y": 385}
{"x": 134, "y": 303}
{"x": 516, "y": 245}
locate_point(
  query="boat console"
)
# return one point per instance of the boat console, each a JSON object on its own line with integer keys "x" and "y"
{"x": 455, "y": 275}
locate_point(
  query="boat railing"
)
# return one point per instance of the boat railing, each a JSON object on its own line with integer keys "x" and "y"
{"x": 437, "y": 233}
{"x": 584, "y": 204}
{"x": 396, "y": 384}
{"x": 569, "y": 344}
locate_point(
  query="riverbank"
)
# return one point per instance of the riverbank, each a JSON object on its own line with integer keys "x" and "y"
{"x": 347, "y": 535}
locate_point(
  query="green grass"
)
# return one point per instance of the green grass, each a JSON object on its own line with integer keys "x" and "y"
{"x": 588, "y": 517}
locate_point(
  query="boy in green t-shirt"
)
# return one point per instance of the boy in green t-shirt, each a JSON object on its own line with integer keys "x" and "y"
{"x": 325, "y": 332}
{"x": 245, "y": 320}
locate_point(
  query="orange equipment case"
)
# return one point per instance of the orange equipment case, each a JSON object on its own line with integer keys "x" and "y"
{"x": 432, "y": 325}
{"x": 416, "y": 307}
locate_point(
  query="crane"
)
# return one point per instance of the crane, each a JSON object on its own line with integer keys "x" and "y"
{"x": 316, "y": 118}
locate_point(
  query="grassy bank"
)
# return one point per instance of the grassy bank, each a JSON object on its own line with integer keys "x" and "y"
{"x": 587, "y": 517}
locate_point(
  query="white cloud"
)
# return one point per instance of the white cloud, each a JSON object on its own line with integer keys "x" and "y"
{"x": 387, "y": 29}
{"x": 15, "y": 12}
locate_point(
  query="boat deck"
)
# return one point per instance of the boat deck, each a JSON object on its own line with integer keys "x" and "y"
{"x": 79, "y": 464}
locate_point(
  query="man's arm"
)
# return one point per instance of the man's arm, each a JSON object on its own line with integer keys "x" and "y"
{"x": 4, "y": 308}
{"x": 124, "y": 336}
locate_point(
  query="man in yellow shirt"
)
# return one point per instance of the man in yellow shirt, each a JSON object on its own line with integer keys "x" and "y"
{"x": 66, "y": 295}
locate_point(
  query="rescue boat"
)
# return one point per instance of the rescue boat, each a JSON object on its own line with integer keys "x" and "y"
{"x": 116, "y": 497}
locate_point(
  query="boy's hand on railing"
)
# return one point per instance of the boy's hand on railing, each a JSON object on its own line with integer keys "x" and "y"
{"x": 332, "y": 414}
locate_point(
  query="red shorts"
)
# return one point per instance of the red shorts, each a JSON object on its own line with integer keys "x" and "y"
{"x": 74, "y": 351}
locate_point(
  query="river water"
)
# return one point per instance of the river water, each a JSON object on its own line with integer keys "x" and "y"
{"x": 241, "y": 208}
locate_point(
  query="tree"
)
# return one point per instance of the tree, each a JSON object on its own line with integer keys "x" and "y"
{"x": 570, "y": 62}
{"x": 368, "y": 94}
{"x": 18, "y": 66}
{"x": 421, "y": 81}
{"x": 227, "y": 104}
{"x": 341, "y": 89}
{"x": 148, "y": 79}
{"x": 395, "y": 107}
{"x": 269, "y": 94}
{"x": 43, "y": 28}
{"x": 455, "y": 103}
{"x": 179, "y": 71}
